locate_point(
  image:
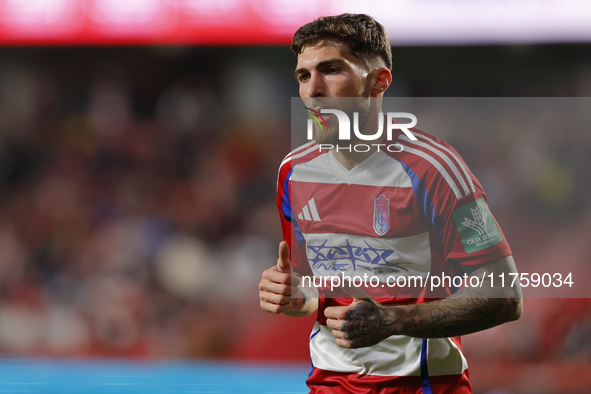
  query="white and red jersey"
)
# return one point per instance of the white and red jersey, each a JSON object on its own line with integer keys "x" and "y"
{"x": 419, "y": 212}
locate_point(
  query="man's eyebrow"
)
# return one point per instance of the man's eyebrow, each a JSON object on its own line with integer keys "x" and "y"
{"x": 300, "y": 71}
{"x": 320, "y": 65}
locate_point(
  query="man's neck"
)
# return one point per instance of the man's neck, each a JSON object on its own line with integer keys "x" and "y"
{"x": 351, "y": 158}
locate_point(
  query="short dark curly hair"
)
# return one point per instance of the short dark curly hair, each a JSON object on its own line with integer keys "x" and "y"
{"x": 365, "y": 37}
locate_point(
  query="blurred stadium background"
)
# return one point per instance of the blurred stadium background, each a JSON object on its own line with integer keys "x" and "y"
{"x": 139, "y": 144}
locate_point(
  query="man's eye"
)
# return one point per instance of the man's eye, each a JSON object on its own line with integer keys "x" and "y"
{"x": 303, "y": 77}
{"x": 333, "y": 70}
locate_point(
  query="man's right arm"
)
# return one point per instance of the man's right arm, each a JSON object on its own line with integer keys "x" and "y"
{"x": 280, "y": 291}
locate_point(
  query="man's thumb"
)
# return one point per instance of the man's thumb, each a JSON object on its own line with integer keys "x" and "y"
{"x": 283, "y": 264}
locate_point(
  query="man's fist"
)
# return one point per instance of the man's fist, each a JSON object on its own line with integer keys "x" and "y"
{"x": 362, "y": 323}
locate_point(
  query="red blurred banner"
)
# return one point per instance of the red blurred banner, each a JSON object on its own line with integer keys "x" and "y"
{"x": 236, "y": 22}
{"x": 150, "y": 21}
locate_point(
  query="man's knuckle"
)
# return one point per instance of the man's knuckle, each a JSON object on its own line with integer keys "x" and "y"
{"x": 279, "y": 299}
{"x": 276, "y": 308}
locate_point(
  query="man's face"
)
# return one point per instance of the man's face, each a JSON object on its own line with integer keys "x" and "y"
{"x": 329, "y": 70}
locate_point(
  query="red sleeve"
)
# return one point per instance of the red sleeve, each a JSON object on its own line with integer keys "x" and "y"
{"x": 288, "y": 221}
{"x": 453, "y": 202}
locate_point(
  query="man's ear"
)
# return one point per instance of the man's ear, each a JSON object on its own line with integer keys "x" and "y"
{"x": 383, "y": 78}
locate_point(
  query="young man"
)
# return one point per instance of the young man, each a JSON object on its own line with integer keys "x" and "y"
{"x": 408, "y": 208}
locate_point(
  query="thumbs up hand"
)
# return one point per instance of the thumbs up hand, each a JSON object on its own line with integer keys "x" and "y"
{"x": 362, "y": 323}
{"x": 283, "y": 263}
{"x": 278, "y": 288}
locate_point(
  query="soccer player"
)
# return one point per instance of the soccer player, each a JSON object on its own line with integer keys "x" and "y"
{"x": 416, "y": 210}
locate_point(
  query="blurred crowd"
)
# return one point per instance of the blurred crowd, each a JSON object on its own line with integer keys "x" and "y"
{"x": 137, "y": 205}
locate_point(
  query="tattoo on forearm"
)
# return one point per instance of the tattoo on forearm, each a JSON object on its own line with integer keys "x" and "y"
{"x": 453, "y": 317}
{"x": 468, "y": 311}
{"x": 471, "y": 310}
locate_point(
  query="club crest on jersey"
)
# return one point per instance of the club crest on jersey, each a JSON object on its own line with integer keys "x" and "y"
{"x": 381, "y": 215}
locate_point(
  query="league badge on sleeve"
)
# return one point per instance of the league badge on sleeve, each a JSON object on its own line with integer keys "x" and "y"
{"x": 476, "y": 226}
{"x": 381, "y": 215}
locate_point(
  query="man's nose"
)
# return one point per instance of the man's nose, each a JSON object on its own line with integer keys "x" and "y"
{"x": 315, "y": 86}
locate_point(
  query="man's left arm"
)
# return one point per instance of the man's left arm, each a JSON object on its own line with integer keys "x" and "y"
{"x": 365, "y": 322}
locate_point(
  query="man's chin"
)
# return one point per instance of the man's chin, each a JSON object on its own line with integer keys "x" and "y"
{"x": 325, "y": 139}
